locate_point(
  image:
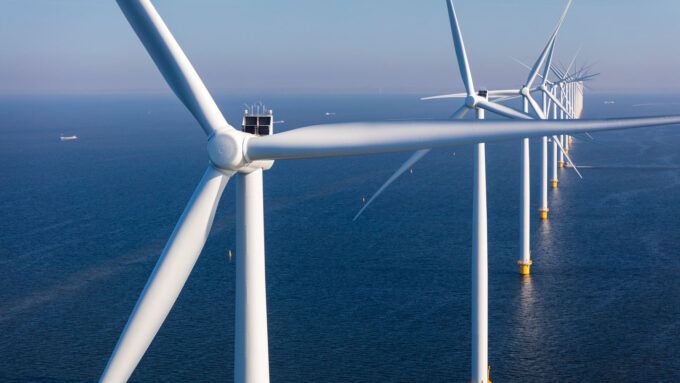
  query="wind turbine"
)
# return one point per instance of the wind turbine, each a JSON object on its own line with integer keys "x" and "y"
{"x": 550, "y": 89}
{"x": 570, "y": 112}
{"x": 525, "y": 92}
{"x": 246, "y": 156}
{"x": 555, "y": 102}
{"x": 473, "y": 100}
{"x": 548, "y": 98}
{"x": 479, "y": 291}
{"x": 525, "y": 192}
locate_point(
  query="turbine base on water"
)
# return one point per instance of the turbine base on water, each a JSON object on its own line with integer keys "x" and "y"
{"x": 524, "y": 267}
{"x": 554, "y": 183}
{"x": 543, "y": 213}
{"x": 561, "y": 164}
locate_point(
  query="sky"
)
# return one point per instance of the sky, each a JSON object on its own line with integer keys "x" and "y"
{"x": 340, "y": 46}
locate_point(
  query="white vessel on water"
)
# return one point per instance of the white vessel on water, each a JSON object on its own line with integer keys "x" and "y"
{"x": 68, "y": 138}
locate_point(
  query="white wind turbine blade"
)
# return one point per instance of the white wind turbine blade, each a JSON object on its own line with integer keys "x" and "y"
{"x": 562, "y": 17}
{"x": 502, "y": 110}
{"x": 173, "y": 63}
{"x": 537, "y": 108}
{"x": 466, "y": 75}
{"x": 503, "y": 92}
{"x": 403, "y": 168}
{"x": 452, "y": 95}
{"x": 548, "y": 49}
{"x": 534, "y": 70}
{"x": 548, "y": 63}
{"x": 520, "y": 62}
{"x": 544, "y": 53}
{"x": 498, "y": 98}
{"x": 460, "y": 113}
{"x": 558, "y": 103}
{"x": 461, "y": 55}
{"x": 566, "y": 155}
{"x": 168, "y": 277}
{"x": 571, "y": 64}
{"x": 557, "y": 72}
{"x": 490, "y": 93}
{"x": 506, "y": 98}
{"x": 357, "y": 138}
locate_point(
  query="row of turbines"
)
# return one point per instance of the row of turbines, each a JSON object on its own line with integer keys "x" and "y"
{"x": 245, "y": 154}
{"x": 561, "y": 99}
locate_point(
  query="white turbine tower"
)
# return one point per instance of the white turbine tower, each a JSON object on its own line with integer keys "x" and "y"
{"x": 479, "y": 102}
{"x": 525, "y": 190}
{"x": 235, "y": 153}
{"x": 548, "y": 99}
{"x": 554, "y": 180}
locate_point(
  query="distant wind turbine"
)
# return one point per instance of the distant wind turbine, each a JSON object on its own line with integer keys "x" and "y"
{"x": 473, "y": 100}
{"x": 525, "y": 92}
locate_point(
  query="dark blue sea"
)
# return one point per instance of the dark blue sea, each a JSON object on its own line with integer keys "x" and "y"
{"x": 385, "y": 298}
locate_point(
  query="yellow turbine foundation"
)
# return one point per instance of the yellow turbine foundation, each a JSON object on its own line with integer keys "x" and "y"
{"x": 566, "y": 151}
{"x": 554, "y": 183}
{"x": 561, "y": 164}
{"x": 570, "y": 140}
{"x": 524, "y": 267}
{"x": 543, "y": 213}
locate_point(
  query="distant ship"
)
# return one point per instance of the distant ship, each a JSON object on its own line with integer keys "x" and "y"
{"x": 68, "y": 138}
{"x": 609, "y": 102}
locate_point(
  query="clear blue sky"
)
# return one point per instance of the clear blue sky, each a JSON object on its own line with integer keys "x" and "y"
{"x": 348, "y": 46}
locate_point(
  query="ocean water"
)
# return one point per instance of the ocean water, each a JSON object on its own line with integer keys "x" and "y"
{"x": 385, "y": 298}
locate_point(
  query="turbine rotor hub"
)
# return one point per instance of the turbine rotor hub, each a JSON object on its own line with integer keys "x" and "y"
{"x": 470, "y": 101}
{"x": 524, "y": 91}
{"x": 225, "y": 149}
